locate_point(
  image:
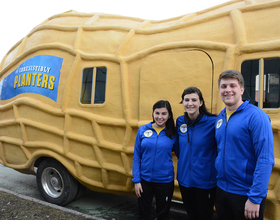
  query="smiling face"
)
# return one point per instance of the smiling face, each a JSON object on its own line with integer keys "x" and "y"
{"x": 160, "y": 116}
{"x": 191, "y": 104}
{"x": 231, "y": 93}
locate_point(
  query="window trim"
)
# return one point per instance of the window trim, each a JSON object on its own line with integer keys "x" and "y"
{"x": 92, "y": 104}
{"x": 259, "y": 56}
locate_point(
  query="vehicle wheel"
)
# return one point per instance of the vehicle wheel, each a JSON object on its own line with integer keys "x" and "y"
{"x": 81, "y": 191}
{"x": 55, "y": 183}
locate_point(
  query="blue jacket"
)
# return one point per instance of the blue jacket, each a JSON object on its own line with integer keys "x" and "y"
{"x": 196, "y": 151}
{"x": 152, "y": 159}
{"x": 245, "y": 152}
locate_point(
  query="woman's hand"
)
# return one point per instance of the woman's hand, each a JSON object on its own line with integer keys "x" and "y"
{"x": 138, "y": 189}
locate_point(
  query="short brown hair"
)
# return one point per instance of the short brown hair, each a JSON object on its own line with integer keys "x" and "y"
{"x": 232, "y": 74}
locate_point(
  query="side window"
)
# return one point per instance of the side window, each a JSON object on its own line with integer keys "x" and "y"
{"x": 93, "y": 88}
{"x": 250, "y": 72}
{"x": 270, "y": 69}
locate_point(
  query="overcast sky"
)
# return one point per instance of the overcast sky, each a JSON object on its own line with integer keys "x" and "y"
{"x": 19, "y": 17}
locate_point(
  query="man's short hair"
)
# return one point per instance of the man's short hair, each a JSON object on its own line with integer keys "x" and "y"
{"x": 232, "y": 74}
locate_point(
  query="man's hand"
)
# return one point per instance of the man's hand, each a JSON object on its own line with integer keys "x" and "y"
{"x": 251, "y": 210}
{"x": 138, "y": 189}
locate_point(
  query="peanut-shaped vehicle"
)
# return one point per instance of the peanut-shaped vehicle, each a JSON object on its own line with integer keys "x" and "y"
{"x": 75, "y": 90}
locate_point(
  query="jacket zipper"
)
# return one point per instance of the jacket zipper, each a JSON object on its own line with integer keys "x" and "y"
{"x": 190, "y": 142}
{"x": 237, "y": 110}
{"x": 155, "y": 156}
{"x": 225, "y": 156}
{"x": 224, "y": 159}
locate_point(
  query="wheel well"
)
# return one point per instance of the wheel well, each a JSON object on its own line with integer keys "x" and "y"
{"x": 39, "y": 160}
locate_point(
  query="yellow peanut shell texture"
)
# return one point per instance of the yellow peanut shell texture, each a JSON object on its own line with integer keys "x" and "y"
{"x": 145, "y": 61}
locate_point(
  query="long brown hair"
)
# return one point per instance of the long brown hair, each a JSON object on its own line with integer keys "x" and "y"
{"x": 202, "y": 109}
{"x": 170, "y": 125}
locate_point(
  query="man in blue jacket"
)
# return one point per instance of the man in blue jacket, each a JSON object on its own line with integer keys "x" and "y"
{"x": 245, "y": 153}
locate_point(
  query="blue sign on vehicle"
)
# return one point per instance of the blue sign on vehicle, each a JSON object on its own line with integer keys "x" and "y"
{"x": 39, "y": 74}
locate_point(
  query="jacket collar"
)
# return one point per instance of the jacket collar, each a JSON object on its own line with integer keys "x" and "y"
{"x": 150, "y": 126}
{"x": 240, "y": 108}
{"x": 192, "y": 123}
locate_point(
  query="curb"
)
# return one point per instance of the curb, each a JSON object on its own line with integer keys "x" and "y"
{"x": 50, "y": 204}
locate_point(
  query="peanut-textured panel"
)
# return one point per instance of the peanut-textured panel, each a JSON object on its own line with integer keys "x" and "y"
{"x": 145, "y": 61}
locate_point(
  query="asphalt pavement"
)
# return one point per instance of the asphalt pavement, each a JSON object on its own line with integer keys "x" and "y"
{"x": 95, "y": 205}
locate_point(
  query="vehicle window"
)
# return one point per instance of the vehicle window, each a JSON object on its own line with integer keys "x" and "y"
{"x": 271, "y": 73}
{"x": 100, "y": 85}
{"x": 93, "y": 85}
{"x": 251, "y": 70}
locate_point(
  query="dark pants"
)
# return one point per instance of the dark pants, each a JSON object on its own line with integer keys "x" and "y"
{"x": 199, "y": 203}
{"x": 231, "y": 206}
{"x": 163, "y": 193}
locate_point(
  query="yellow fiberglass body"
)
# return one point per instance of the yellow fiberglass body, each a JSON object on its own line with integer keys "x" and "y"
{"x": 75, "y": 90}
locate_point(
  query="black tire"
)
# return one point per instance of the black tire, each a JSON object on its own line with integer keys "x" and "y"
{"x": 81, "y": 191}
{"x": 55, "y": 183}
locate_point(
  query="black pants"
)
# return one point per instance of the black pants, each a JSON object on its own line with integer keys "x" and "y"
{"x": 199, "y": 203}
{"x": 231, "y": 206}
{"x": 163, "y": 193}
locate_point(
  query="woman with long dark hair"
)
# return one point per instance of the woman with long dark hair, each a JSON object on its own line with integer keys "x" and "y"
{"x": 196, "y": 151}
{"x": 153, "y": 171}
